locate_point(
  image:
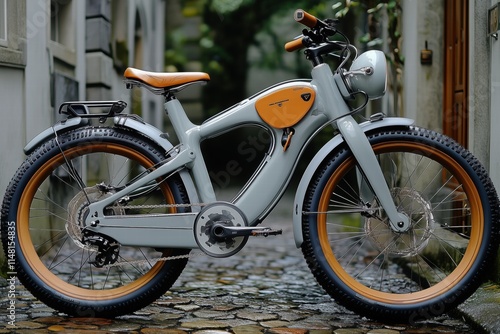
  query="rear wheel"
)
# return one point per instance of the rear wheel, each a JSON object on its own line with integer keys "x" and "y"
{"x": 429, "y": 269}
{"x": 73, "y": 271}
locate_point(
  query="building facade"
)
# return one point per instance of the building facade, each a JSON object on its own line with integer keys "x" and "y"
{"x": 60, "y": 50}
{"x": 68, "y": 50}
{"x": 459, "y": 92}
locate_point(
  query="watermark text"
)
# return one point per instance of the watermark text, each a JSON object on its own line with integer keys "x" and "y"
{"x": 11, "y": 274}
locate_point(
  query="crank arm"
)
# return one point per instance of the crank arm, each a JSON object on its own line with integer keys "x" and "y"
{"x": 222, "y": 231}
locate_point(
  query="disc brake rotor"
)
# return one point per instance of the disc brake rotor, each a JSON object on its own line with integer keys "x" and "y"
{"x": 411, "y": 242}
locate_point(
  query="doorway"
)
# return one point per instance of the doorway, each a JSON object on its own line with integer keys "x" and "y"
{"x": 455, "y": 113}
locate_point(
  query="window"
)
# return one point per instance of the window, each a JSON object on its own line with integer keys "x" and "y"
{"x": 11, "y": 50}
{"x": 63, "y": 31}
{"x": 61, "y": 24}
{"x": 3, "y": 21}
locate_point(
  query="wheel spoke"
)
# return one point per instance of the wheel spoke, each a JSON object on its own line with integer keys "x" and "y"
{"x": 360, "y": 247}
{"x": 74, "y": 263}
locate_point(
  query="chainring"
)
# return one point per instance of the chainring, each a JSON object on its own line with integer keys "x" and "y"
{"x": 224, "y": 214}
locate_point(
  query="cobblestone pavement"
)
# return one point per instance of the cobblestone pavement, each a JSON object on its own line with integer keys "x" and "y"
{"x": 266, "y": 288}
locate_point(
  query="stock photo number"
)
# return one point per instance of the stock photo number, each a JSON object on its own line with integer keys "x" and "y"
{"x": 11, "y": 273}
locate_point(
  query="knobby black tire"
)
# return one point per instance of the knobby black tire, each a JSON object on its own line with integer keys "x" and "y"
{"x": 402, "y": 277}
{"x": 51, "y": 265}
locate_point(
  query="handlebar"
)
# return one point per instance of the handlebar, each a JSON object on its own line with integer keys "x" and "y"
{"x": 318, "y": 33}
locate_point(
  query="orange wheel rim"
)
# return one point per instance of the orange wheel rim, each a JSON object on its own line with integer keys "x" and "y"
{"x": 471, "y": 253}
{"x": 29, "y": 251}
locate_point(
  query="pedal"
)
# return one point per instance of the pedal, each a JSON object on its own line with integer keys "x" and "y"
{"x": 265, "y": 232}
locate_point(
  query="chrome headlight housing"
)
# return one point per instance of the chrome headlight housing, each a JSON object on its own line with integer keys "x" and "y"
{"x": 368, "y": 73}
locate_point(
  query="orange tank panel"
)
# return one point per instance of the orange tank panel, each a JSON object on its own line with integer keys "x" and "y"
{"x": 285, "y": 107}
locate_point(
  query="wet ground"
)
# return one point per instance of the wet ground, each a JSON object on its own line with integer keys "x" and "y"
{"x": 266, "y": 288}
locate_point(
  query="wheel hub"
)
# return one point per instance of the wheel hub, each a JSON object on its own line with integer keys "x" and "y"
{"x": 411, "y": 203}
{"x": 78, "y": 209}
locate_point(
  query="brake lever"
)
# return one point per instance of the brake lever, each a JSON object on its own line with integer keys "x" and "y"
{"x": 330, "y": 27}
{"x": 328, "y": 32}
{"x": 314, "y": 35}
{"x": 331, "y": 22}
{"x": 321, "y": 34}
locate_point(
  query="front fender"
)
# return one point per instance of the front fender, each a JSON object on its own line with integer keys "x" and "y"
{"x": 330, "y": 146}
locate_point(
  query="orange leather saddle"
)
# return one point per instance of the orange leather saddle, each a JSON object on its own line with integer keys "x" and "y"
{"x": 163, "y": 80}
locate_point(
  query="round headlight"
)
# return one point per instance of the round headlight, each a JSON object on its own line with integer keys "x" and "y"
{"x": 368, "y": 73}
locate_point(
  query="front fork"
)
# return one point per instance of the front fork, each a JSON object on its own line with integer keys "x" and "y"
{"x": 370, "y": 167}
{"x": 329, "y": 88}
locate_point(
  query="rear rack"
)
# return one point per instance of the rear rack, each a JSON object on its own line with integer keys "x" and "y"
{"x": 81, "y": 108}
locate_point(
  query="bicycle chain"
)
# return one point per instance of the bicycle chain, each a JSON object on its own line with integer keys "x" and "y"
{"x": 155, "y": 260}
{"x": 156, "y": 206}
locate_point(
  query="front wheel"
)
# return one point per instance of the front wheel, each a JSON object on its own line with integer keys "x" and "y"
{"x": 427, "y": 270}
{"x": 57, "y": 259}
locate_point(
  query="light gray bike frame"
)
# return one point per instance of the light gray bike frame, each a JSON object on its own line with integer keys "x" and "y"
{"x": 268, "y": 183}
